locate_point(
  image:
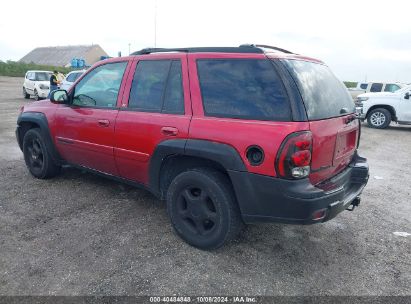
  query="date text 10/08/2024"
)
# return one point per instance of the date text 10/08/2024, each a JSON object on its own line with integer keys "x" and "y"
{"x": 182, "y": 299}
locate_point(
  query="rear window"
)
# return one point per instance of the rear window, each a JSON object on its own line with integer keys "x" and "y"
{"x": 42, "y": 76}
{"x": 242, "y": 88}
{"x": 324, "y": 95}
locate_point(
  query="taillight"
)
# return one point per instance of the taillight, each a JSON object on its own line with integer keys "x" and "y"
{"x": 294, "y": 157}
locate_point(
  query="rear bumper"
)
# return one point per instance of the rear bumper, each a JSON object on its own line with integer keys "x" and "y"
{"x": 268, "y": 199}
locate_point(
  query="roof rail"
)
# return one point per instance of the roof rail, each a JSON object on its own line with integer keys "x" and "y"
{"x": 267, "y": 47}
{"x": 241, "y": 49}
{"x": 244, "y": 48}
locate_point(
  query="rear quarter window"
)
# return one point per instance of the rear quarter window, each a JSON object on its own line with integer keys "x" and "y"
{"x": 242, "y": 88}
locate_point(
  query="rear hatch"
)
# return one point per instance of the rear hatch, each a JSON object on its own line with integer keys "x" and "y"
{"x": 330, "y": 111}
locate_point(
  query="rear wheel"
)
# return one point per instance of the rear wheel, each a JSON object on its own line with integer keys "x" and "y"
{"x": 379, "y": 118}
{"x": 202, "y": 208}
{"x": 25, "y": 94}
{"x": 37, "y": 157}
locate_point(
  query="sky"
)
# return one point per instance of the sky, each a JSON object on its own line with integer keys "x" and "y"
{"x": 359, "y": 40}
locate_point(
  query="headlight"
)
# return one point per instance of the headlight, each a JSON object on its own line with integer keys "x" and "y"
{"x": 44, "y": 87}
{"x": 359, "y": 101}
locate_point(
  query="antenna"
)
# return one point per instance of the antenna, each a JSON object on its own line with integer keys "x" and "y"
{"x": 155, "y": 23}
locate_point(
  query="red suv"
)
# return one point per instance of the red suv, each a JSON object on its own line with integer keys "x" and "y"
{"x": 226, "y": 136}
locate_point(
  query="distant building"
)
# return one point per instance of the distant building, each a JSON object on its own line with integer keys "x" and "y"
{"x": 62, "y": 55}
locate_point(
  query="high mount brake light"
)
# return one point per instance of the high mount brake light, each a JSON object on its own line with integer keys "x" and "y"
{"x": 294, "y": 157}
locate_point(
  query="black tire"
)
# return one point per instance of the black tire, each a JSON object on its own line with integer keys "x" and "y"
{"x": 25, "y": 95}
{"x": 36, "y": 95}
{"x": 379, "y": 118}
{"x": 203, "y": 209}
{"x": 37, "y": 157}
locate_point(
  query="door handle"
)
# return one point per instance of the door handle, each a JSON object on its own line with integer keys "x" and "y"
{"x": 169, "y": 131}
{"x": 103, "y": 122}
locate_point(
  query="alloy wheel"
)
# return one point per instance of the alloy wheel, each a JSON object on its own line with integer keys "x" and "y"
{"x": 377, "y": 119}
{"x": 36, "y": 156}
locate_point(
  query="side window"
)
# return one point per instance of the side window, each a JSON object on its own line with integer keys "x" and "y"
{"x": 390, "y": 87}
{"x": 157, "y": 87}
{"x": 376, "y": 87}
{"x": 72, "y": 77}
{"x": 363, "y": 86}
{"x": 76, "y": 76}
{"x": 100, "y": 87}
{"x": 174, "y": 98}
{"x": 242, "y": 88}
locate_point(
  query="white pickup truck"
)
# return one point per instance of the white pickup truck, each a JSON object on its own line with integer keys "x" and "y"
{"x": 374, "y": 87}
{"x": 379, "y": 109}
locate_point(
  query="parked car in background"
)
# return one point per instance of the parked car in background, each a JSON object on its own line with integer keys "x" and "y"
{"x": 37, "y": 84}
{"x": 225, "y": 136}
{"x": 379, "y": 109}
{"x": 374, "y": 87}
{"x": 70, "y": 79}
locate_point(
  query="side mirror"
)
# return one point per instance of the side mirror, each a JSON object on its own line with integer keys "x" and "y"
{"x": 59, "y": 96}
{"x": 407, "y": 95}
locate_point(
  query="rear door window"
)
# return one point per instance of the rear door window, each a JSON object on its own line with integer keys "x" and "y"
{"x": 364, "y": 86}
{"x": 324, "y": 95}
{"x": 242, "y": 88}
{"x": 376, "y": 87}
{"x": 157, "y": 87}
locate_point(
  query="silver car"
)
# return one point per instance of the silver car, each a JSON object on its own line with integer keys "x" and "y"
{"x": 70, "y": 79}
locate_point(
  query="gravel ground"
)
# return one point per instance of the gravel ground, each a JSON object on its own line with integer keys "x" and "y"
{"x": 80, "y": 234}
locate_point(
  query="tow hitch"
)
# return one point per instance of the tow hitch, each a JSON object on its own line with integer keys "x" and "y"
{"x": 354, "y": 203}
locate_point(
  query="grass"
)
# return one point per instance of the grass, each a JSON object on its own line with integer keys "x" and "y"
{"x": 19, "y": 69}
{"x": 350, "y": 84}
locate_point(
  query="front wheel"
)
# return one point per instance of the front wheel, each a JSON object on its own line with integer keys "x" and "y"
{"x": 379, "y": 118}
{"x": 25, "y": 95}
{"x": 37, "y": 157}
{"x": 203, "y": 209}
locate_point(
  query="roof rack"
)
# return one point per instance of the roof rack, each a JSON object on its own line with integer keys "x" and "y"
{"x": 267, "y": 47}
{"x": 244, "y": 48}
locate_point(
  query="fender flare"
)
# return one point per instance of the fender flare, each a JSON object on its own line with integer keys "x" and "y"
{"x": 223, "y": 154}
{"x": 40, "y": 120}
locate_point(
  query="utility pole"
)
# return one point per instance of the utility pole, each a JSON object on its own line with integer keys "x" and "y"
{"x": 129, "y": 44}
{"x": 155, "y": 23}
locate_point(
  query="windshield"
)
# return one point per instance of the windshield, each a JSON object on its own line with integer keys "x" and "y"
{"x": 323, "y": 94}
{"x": 43, "y": 76}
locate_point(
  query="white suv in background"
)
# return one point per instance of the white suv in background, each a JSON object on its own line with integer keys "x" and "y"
{"x": 37, "y": 84}
{"x": 70, "y": 79}
{"x": 379, "y": 109}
